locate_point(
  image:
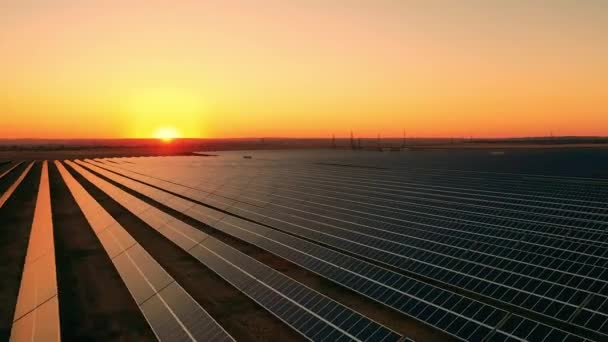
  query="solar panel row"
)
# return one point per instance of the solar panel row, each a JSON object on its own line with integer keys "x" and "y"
{"x": 485, "y": 223}
{"x": 578, "y": 220}
{"x": 583, "y": 268}
{"x": 488, "y": 272}
{"x": 36, "y": 315}
{"x": 378, "y": 292}
{"x": 512, "y": 186}
{"x": 586, "y": 230}
{"x": 500, "y": 269}
{"x": 315, "y": 316}
{"x": 276, "y": 176}
{"x": 172, "y": 314}
{"x": 483, "y": 182}
{"x": 531, "y": 185}
{"x": 467, "y": 193}
{"x": 582, "y": 228}
{"x": 263, "y": 236}
{"x": 465, "y": 232}
{"x": 523, "y": 284}
{"x": 528, "y": 188}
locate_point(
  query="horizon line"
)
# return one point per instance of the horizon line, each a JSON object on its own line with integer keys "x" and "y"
{"x": 328, "y": 137}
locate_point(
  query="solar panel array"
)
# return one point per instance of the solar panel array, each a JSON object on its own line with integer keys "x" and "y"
{"x": 473, "y": 254}
{"x": 342, "y": 268}
{"x": 457, "y": 315}
{"x": 555, "y": 268}
{"x": 171, "y": 312}
{"x": 310, "y": 313}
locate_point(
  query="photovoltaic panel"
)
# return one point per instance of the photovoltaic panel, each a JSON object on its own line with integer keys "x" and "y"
{"x": 279, "y": 214}
{"x": 416, "y": 309}
{"x": 36, "y": 316}
{"x": 172, "y": 313}
{"x": 263, "y": 284}
{"x": 41, "y": 324}
{"x": 562, "y": 312}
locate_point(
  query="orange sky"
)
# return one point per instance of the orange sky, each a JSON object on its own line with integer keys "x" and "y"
{"x": 246, "y": 68}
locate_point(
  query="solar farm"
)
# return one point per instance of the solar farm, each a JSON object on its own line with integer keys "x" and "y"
{"x": 306, "y": 245}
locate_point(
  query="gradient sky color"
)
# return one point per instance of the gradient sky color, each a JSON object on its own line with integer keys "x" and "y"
{"x": 294, "y": 68}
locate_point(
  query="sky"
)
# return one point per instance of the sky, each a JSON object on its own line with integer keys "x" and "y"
{"x": 302, "y": 68}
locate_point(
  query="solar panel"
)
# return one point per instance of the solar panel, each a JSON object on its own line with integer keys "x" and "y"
{"x": 172, "y": 314}
{"x": 587, "y": 271}
{"x": 486, "y": 320}
{"x": 41, "y": 324}
{"x": 355, "y": 189}
{"x": 564, "y": 313}
{"x": 393, "y": 193}
{"x": 369, "y": 205}
{"x": 263, "y": 284}
{"x": 37, "y": 299}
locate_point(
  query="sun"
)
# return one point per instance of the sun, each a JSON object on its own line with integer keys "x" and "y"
{"x": 166, "y": 134}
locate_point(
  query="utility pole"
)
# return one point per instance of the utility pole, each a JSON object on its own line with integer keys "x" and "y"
{"x": 404, "y": 142}
{"x": 352, "y": 140}
{"x": 333, "y": 141}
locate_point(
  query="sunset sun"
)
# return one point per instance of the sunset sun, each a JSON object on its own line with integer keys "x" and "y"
{"x": 166, "y": 134}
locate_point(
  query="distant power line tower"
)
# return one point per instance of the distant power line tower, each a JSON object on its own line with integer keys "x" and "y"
{"x": 333, "y": 141}
{"x": 404, "y": 142}
{"x": 352, "y": 140}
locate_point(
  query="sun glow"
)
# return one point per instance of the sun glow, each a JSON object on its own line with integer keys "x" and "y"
{"x": 166, "y": 134}
{"x": 165, "y": 113}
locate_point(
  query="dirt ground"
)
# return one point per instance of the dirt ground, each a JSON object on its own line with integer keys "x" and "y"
{"x": 15, "y": 224}
{"x": 9, "y": 178}
{"x": 5, "y": 165}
